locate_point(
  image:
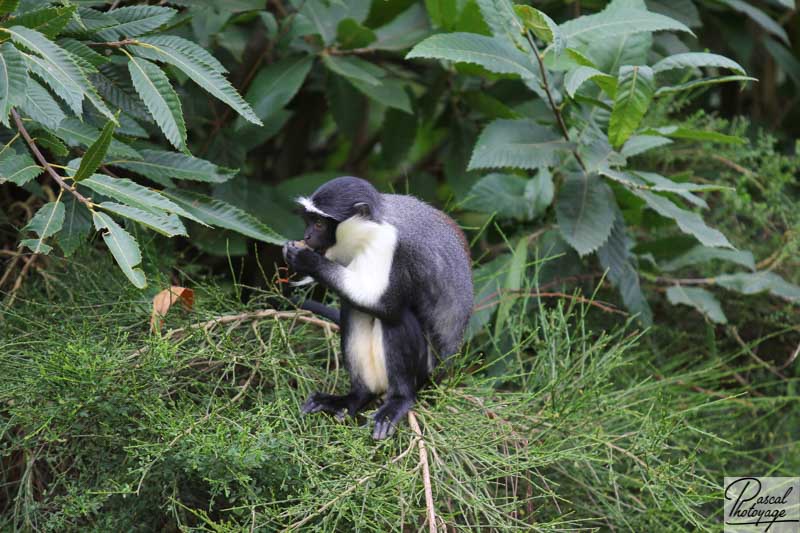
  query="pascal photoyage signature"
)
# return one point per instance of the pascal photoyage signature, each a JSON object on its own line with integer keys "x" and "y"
{"x": 752, "y": 508}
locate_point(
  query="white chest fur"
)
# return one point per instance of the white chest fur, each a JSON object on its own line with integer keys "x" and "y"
{"x": 366, "y": 250}
{"x": 365, "y": 352}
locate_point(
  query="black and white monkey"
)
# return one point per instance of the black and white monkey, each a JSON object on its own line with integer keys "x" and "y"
{"x": 403, "y": 273}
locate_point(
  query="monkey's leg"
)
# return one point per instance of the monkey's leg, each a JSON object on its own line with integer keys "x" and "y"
{"x": 350, "y": 403}
{"x": 406, "y": 368}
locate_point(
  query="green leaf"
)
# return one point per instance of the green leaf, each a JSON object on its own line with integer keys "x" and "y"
{"x": 759, "y": 17}
{"x": 406, "y": 30}
{"x": 161, "y": 100}
{"x": 503, "y": 22}
{"x": 131, "y": 193}
{"x": 13, "y": 80}
{"x": 696, "y": 60}
{"x": 502, "y": 195}
{"x": 46, "y": 222}
{"x": 75, "y": 133}
{"x": 756, "y": 282}
{"x": 539, "y": 192}
{"x": 638, "y": 144}
{"x": 354, "y": 68}
{"x": 41, "y": 106}
{"x": 660, "y": 183}
{"x": 585, "y": 212}
{"x": 493, "y": 55}
{"x": 581, "y": 32}
{"x": 135, "y": 20}
{"x": 8, "y": 6}
{"x": 93, "y": 157}
{"x": 48, "y": 21}
{"x": 700, "y": 299}
{"x": 17, "y": 168}
{"x": 443, "y": 13}
{"x": 61, "y": 65}
{"x": 180, "y": 47}
{"x": 158, "y": 164}
{"x": 694, "y": 84}
{"x": 391, "y": 93}
{"x": 487, "y": 278}
{"x": 674, "y": 132}
{"x": 122, "y": 246}
{"x": 687, "y": 221}
{"x": 703, "y": 254}
{"x": 77, "y": 224}
{"x": 516, "y": 144}
{"x": 217, "y": 213}
{"x": 36, "y": 246}
{"x": 615, "y": 256}
{"x": 635, "y": 88}
{"x": 576, "y": 77}
{"x": 350, "y": 34}
{"x": 785, "y": 58}
{"x": 512, "y": 283}
{"x": 542, "y": 26}
{"x": 195, "y": 65}
{"x": 397, "y": 136}
{"x": 79, "y": 49}
{"x": 169, "y": 225}
{"x": 275, "y": 85}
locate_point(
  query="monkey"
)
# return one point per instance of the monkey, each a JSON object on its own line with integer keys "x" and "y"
{"x": 402, "y": 271}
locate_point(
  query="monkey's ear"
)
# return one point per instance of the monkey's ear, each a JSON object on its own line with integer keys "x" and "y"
{"x": 362, "y": 209}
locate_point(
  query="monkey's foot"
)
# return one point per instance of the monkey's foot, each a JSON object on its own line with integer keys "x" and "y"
{"x": 389, "y": 414}
{"x": 337, "y": 405}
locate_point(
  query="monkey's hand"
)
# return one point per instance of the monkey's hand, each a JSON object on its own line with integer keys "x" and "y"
{"x": 301, "y": 259}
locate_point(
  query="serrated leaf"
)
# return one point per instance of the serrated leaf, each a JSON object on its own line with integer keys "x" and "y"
{"x": 585, "y": 210}
{"x": 687, "y": 221}
{"x": 113, "y": 83}
{"x": 157, "y": 164}
{"x": 674, "y": 132}
{"x": 41, "y": 106}
{"x": 404, "y": 31}
{"x": 221, "y": 214}
{"x": 493, "y": 55}
{"x": 487, "y": 278}
{"x": 94, "y": 155}
{"x": 503, "y": 23}
{"x": 500, "y": 194}
{"x": 161, "y": 100}
{"x": 169, "y": 225}
{"x": 576, "y": 77}
{"x": 700, "y": 299}
{"x": 131, "y": 193}
{"x": 135, "y": 20}
{"x": 684, "y": 189}
{"x": 615, "y": 256}
{"x": 79, "y": 49}
{"x": 350, "y": 34}
{"x": 542, "y": 26}
{"x": 635, "y": 88}
{"x": 48, "y": 21}
{"x": 75, "y": 133}
{"x": 696, "y": 60}
{"x": 8, "y": 6}
{"x": 539, "y": 192}
{"x": 703, "y": 254}
{"x": 397, "y": 136}
{"x": 46, "y": 222}
{"x": 191, "y": 51}
{"x": 275, "y": 85}
{"x": 354, "y": 68}
{"x": 694, "y": 84}
{"x": 13, "y": 80}
{"x": 87, "y": 21}
{"x": 638, "y": 144}
{"x": 77, "y": 224}
{"x": 123, "y": 247}
{"x": 36, "y": 246}
{"x": 195, "y": 65}
{"x": 512, "y": 283}
{"x": 756, "y": 282}
{"x": 516, "y": 144}
{"x": 61, "y": 65}
{"x": 17, "y": 168}
{"x": 71, "y": 95}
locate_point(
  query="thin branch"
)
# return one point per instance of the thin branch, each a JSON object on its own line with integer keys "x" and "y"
{"x": 536, "y": 294}
{"x": 43, "y": 161}
{"x": 426, "y": 473}
{"x": 549, "y": 93}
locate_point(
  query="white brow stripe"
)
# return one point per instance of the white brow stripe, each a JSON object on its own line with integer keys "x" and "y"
{"x": 309, "y": 206}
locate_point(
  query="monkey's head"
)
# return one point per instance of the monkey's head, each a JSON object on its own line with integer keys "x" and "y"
{"x": 334, "y": 202}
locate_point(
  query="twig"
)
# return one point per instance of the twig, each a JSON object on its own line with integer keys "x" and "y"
{"x": 47, "y": 167}
{"x": 735, "y": 334}
{"x": 791, "y": 359}
{"x": 535, "y": 294}
{"x": 426, "y": 473}
{"x": 20, "y": 278}
{"x": 302, "y": 316}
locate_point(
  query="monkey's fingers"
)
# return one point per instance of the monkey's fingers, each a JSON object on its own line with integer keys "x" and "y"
{"x": 383, "y": 429}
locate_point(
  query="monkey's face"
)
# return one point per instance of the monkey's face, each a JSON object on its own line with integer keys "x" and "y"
{"x": 320, "y": 232}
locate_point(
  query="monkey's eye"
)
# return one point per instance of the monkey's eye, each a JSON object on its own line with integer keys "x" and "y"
{"x": 318, "y": 224}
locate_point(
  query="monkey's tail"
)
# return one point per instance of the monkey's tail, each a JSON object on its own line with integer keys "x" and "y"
{"x": 322, "y": 310}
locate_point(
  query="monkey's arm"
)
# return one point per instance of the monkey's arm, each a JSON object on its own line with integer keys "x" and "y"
{"x": 363, "y": 292}
{"x": 322, "y": 310}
